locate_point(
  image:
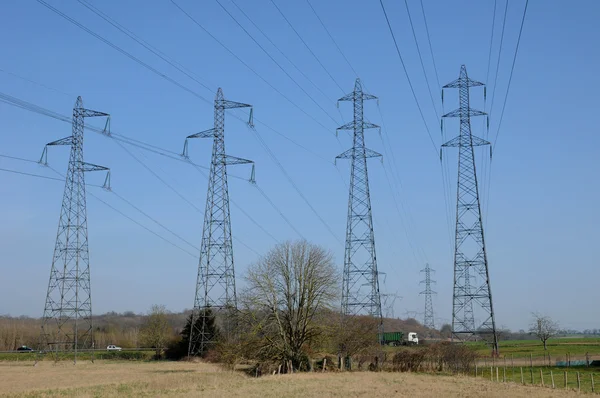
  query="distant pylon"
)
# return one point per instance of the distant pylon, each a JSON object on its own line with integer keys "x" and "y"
{"x": 67, "y": 319}
{"x": 428, "y": 320}
{"x": 471, "y": 274}
{"x": 360, "y": 285}
{"x": 215, "y": 285}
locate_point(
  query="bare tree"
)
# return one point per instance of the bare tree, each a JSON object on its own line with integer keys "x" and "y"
{"x": 156, "y": 330}
{"x": 286, "y": 289}
{"x": 543, "y": 327}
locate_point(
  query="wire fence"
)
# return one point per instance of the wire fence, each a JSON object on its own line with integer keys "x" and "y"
{"x": 546, "y": 359}
{"x": 571, "y": 374}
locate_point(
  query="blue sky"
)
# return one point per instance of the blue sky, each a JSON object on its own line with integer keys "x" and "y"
{"x": 541, "y": 219}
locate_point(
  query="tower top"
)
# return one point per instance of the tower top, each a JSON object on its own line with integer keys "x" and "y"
{"x": 463, "y": 80}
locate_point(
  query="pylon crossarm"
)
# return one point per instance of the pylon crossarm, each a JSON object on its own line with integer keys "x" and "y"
{"x": 92, "y": 113}
{"x": 92, "y": 167}
{"x": 369, "y": 153}
{"x": 369, "y": 125}
{"x": 346, "y": 154}
{"x": 210, "y": 133}
{"x": 232, "y": 160}
{"x": 454, "y": 142}
{"x": 203, "y": 134}
{"x": 460, "y": 113}
{"x": 476, "y": 141}
{"x": 462, "y": 82}
{"x": 63, "y": 141}
{"x": 226, "y": 104}
{"x": 347, "y": 126}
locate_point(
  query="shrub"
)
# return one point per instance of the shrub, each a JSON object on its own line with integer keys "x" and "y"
{"x": 458, "y": 357}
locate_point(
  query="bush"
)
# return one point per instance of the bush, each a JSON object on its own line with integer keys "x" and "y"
{"x": 126, "y": 355}
{"x": 458, "y": 357}
{"x": 409, "y": 360}
{"x": 176, "y": 350}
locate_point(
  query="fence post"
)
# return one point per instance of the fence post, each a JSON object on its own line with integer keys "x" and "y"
{"x": 565, "y": 379}
{"x": 587, "y": 359}
{"x": 530, "y": 360}
{"x": 552, "y": 378}
{"x": 549, "y": 360}
{"x": 531, "y": 371}
{"x": 497, "y": 378}
{"x": 542, "y": 377}
{"x": 578, "y": 383}
{"x": 504, "y": 375}
{"x": 522, "y": 378}
{"x": 512, "y": 365}
{"x": 491, "y": 373}
{"x": 324, "y": 364}
{"x": 592, "y": 377}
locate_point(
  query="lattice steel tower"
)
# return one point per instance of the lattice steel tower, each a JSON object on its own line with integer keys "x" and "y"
{"x": 360, "y": 285}
{"x": 471, "y": 274}
{"x": 428, "y": 321}
{"x": 67, "y": 320}
{"x": 215, "y": 285}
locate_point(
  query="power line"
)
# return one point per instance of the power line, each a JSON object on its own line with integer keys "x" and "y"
{"x": 407, "y": 77}
{"x": 293, "y": 184}
{"x": 307, "y": 46}
{"x": 31, "y": 174}
{"x": 505, "y": 100}
{"x": 120, "y": 212}
{"x": 275, "y": 61}
{"x": 280, "y": 51}
{"x": 36, "y": 83}
{"x": 430, "y": 46}
{"x": 395, "y": 176}
{"x": 119, "y": 49}
{"x": 169, "y": 79}
{"x": 173, "y": 63}
{"x": 245, "y": 64}
{"x": 34, "y": 108}
{"x": 156, "y": 221}
{"x": 13, "y": 101}
{"x": 437, "y": 116}
{"x": 332, "y": 39}
{"x": 143, "y": 43}
{"x": 193, "y": 92}
{"x": 491, "y": 42}
{"x": 512, "y": 69}
{"x": 287, "y": 221}
{"x": 18, "y": 158}
{"x": 444, "y": 171}
{"x": 270, "y": 235}
{"x": 499, "y": 56}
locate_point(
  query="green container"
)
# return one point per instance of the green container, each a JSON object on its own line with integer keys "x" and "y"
{"x": 392, "y": 336}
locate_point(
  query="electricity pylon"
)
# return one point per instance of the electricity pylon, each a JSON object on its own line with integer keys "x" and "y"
{"x": 215, "y": 285}
{"x": 360, "y": 285}
{"x": 428, "y": 320}
{"x": 67, "y": 320}
{"x": 471, "y": 273}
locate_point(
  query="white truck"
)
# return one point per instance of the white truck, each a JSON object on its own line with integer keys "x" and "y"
{"x": 399, "y": 338}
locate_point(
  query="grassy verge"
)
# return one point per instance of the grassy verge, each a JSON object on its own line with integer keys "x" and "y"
{"x": 83, "y": 356}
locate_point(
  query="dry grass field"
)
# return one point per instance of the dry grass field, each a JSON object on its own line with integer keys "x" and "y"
{"x": 179, "y": 379}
